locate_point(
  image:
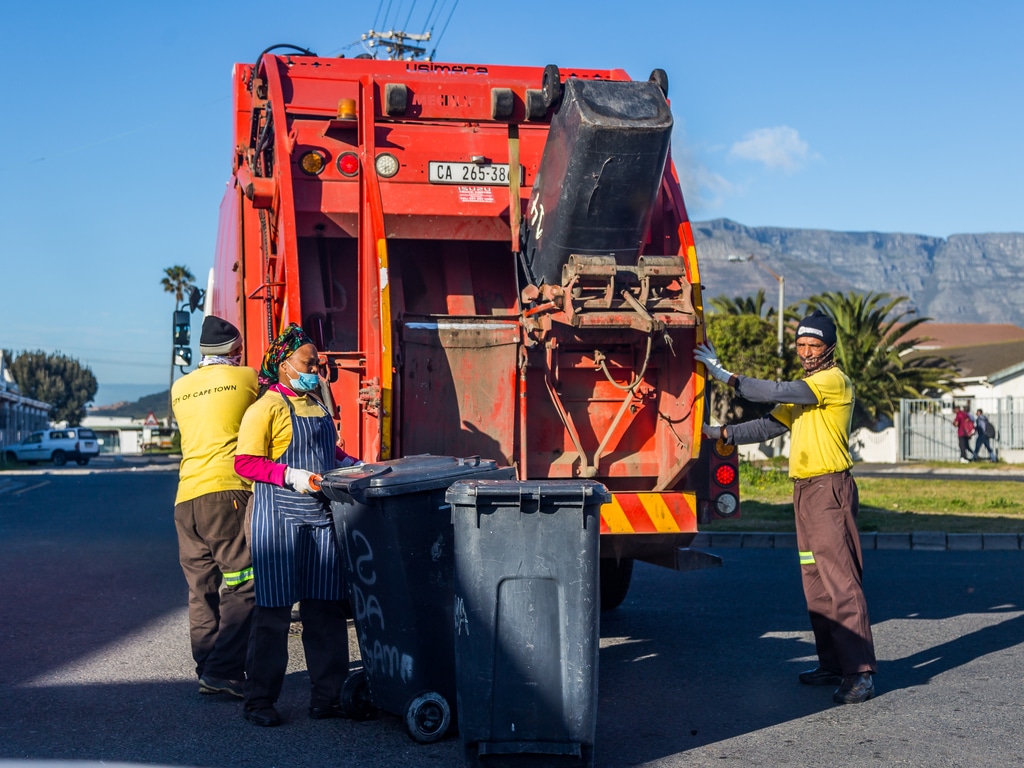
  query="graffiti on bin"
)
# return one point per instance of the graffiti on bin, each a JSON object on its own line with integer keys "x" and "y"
{"x": 461, "y": 621}
{"x": 379, "y": 659}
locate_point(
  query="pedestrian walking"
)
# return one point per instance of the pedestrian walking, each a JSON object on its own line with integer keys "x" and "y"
{"x": 964, "y": 430}
{"x": 286, "y": 441}
{"x": 209, "y": 509}
{"x": 985, "y": 431}
{"x": 817, "y": 411}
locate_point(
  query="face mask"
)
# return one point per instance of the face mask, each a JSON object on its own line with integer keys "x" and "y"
{"x": 306, "y": 382}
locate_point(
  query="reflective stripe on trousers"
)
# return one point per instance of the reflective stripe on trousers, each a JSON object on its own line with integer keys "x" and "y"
{"x": 235, "y": 578}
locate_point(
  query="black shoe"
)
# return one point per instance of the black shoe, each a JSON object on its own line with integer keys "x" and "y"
{"x": 855, "y": 689}
{"x": 819, "y": 676}
{"x": 265, "y": 717}
{"x": 209, "y": 684}
{"x": 327, "y": 711}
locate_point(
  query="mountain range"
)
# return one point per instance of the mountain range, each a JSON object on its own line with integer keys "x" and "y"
{"x": 960, "y": 279}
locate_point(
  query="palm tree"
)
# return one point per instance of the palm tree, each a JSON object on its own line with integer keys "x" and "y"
{"x": 743, "y": 305}
{"x": 178, "y": 280}
{"x": 873, "y": 336}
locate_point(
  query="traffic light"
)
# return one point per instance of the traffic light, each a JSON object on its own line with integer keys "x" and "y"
{"x": 183, "y": 356}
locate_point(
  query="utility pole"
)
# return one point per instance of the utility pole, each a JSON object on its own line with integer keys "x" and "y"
{"x": 394, "y": 42}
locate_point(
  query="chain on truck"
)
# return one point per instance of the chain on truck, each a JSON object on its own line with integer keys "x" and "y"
{"x": 492, "y": 261}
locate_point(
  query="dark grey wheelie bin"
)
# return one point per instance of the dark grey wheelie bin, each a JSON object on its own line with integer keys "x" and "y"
{"x": 526, "y": 618}
{"x": 396, "y": 529}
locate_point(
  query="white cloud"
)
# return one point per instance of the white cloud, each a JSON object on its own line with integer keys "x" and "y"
{"x": 703, "y": 189}
{"x": 779, "y": 148}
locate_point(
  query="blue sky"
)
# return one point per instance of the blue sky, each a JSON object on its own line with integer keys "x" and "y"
{"x": 115, "y": 137}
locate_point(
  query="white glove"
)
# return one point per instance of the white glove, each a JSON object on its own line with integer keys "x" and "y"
{"x": 712, "y": 433}
{"x": 705, "y": 353}
{"x": 298, "y": 479}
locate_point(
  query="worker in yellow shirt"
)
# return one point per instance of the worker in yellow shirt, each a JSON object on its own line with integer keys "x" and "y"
{"x": 818, "y": 412}
{"x": 209, "y": 510}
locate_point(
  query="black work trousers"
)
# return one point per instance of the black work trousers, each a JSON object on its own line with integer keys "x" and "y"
{"x": 214, "y": 556}
{"x": 324, "y": 641}
{"x": 831, "y": 568}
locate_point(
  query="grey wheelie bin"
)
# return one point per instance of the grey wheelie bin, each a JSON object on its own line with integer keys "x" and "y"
{"x": 526, "y": 618}
{"x": 395, "y": 526}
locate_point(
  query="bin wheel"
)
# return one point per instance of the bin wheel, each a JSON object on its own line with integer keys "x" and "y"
{"x": 615, "y": 578}
{"x": 82, "y": 462}
{"x": 551, "y": 85}
{"x": 59, "y": 458}
{"x": 355, "y": 697}
{"x": 427, "y": 717}
{"x": 660, "y": 78}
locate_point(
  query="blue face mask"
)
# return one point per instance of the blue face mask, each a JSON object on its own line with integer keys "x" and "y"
{"x": 306, "y": 382}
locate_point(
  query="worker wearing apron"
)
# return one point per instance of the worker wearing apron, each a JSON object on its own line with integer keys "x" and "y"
{"x": 286, "y": 438}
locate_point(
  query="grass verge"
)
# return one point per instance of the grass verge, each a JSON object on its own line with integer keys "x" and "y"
{"x": 887, "y": 505}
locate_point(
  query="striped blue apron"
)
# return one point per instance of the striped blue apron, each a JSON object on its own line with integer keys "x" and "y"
{"x": 294, "y": 552}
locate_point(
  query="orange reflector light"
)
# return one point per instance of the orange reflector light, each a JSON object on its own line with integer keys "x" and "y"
{"x": 348, "y": 164}
{"x": 725, "y": 475}
{"x": 312, "y": 162}
{"x": 723, "y": 449}
{"x": 346, "y": 109}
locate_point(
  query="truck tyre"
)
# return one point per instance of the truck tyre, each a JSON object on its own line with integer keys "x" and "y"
{"x": 11, "y": 457}
{"x": 59, "y": 458}
{"x": 615, "y": 578}
{"x": 427, "y": 717}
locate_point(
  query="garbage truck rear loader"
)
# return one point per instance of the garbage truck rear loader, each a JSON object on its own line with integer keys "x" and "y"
{"x": 493, "y": 261}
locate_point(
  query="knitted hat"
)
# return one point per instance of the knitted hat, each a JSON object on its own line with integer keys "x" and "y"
{"x": 219, "y": 337}
{"x": 818, "y": 325}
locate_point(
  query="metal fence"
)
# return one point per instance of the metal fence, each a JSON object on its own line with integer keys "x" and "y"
{"x": 926, "y": 431}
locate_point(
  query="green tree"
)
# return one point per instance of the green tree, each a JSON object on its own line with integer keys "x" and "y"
{"x": 743, "y": 305}
{"x": 873, "y": 336}
{"x": 56, "y": 379}
{"x": 745, "y": 343}
{"x": 179, "y": 281}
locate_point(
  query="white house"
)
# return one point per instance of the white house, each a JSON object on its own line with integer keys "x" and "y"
{"x": 19, "y": 415}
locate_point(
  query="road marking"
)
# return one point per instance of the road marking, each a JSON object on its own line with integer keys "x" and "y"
{"x": 31, "y": 487}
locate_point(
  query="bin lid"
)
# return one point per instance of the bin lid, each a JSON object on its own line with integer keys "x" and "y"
{"x": 469, "y": 492}
{"x": 409, "y": 474}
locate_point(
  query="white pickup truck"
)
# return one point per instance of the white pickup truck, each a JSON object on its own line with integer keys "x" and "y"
{"x": 77, "y": 444}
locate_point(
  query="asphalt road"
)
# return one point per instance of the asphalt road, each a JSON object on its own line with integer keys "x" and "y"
{"x": 696, "y": 669}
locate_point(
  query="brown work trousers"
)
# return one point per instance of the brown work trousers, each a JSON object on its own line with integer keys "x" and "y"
{"x": 214, "y": 554}
{"x": 831, "y": 567}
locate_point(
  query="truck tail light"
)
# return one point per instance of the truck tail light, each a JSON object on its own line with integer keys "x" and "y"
{"x": 386, "y": 164}
{"x": 313, "y": 162}
{"x": 348, "y": 164}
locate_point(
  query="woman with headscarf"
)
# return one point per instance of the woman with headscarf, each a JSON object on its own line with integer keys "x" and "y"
{"x": 287, "y": 438}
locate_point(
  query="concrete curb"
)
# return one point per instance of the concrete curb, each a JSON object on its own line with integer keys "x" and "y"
{"x": 925, "y": 541}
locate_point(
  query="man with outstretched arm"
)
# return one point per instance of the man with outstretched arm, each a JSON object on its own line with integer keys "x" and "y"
{"x": 818, "y": 412}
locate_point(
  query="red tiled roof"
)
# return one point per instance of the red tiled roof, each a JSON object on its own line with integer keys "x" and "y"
{"x": 946, "y": 335}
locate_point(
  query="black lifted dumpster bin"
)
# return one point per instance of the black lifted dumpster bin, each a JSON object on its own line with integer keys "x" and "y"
{"x": 395, "y": 525}
{"x": 526, "y": 617}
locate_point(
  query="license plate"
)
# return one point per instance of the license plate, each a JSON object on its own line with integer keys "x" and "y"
{"x": 470, "y": 173}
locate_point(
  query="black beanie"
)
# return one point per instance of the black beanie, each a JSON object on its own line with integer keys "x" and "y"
{"x": 219, "y": 337}
{"x": 818, "y": 325}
